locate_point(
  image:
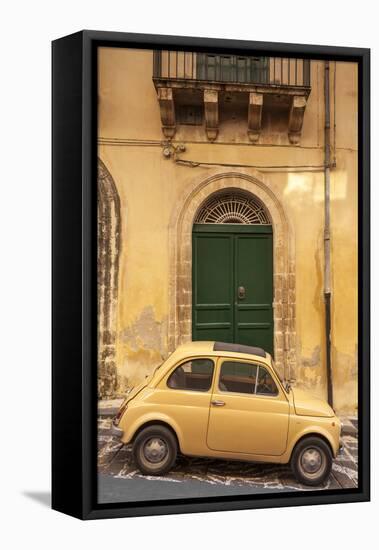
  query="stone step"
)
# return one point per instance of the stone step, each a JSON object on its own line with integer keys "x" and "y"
{"x": 108, "y": 407}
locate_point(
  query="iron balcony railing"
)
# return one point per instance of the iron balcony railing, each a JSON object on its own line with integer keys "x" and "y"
{"x": 220, "y": 68}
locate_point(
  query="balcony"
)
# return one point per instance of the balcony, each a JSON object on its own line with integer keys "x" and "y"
{"x": 196, "y": 88}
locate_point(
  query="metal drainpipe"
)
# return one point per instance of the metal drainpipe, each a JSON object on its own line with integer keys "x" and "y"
{"x": 327, "y": 278}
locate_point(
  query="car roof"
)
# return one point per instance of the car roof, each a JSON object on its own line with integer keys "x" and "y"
{"x": 210, "y": 349}
{"x": 213, "y": 348}
{"x": 239, "y": 348}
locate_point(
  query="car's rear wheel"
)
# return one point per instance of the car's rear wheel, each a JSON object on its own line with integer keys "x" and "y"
{"x": 154, "y": 450}
{"x": 311, "y": 461}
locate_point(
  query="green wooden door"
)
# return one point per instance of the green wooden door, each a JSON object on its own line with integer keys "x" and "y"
{"x": 232, "y": 284}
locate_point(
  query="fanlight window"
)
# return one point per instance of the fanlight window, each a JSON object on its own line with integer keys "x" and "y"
{"x": 233, "y": 207}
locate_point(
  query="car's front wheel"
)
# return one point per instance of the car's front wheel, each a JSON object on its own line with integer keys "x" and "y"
{"x": 154, "y": 450}
{"x": 311, "y": 461}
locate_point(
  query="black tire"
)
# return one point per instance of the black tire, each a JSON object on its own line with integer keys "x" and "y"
{"x": 311, "y": 461}
{"x": 154, "y": 450}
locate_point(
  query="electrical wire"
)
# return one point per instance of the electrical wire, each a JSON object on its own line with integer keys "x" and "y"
{"x": 195, "y": 164}
{"x": 154, "y": 142}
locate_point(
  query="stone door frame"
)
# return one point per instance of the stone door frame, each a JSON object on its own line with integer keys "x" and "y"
{"x": 180, "y": 240}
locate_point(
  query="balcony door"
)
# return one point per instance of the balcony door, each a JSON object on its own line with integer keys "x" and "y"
{"x": 232, "y": 68}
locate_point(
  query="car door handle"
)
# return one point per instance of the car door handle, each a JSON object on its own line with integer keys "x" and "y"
{"x": 218, "y": 403}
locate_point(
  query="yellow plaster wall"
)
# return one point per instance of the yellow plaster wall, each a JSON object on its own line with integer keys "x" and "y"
{"x": 150, "y": 185}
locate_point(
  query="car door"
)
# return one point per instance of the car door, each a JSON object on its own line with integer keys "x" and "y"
{"x": 183, "y": 398}
{"x": 249, "y": 411}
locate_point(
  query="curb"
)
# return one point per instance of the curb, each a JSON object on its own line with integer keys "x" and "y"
{"x": 348, "y": 426}
{"x": 108, "y": 407}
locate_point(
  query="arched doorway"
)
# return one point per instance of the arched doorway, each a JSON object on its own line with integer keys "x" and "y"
{"x": 108, "y": 253}
{"x": 232, "y": 270}
{"x": 181, "y": 268}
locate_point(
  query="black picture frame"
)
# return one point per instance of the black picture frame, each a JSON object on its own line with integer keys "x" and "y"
{"x": 74, "y": 333}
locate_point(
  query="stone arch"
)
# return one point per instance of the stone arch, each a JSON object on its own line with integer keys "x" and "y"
{"x": 180, "y": 314}
{"x": 108, "y": 257}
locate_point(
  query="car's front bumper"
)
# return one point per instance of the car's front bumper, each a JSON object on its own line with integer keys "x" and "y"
{"x": 116, "y": 432}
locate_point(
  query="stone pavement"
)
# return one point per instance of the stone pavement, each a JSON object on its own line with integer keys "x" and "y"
{"x": 115, "y": 460}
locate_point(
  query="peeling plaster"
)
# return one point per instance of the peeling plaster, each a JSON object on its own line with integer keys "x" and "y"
{"x": 145, "y": 332}
{"x": 310, "y": 375}
{"x": 345, "y": 374}
{"x": 314, "y": 360}
{"x": 144, "y": 346}
{"x": 109, "y": 244}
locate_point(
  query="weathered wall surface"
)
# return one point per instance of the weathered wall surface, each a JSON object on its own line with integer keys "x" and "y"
{"x": 151, "y": 188}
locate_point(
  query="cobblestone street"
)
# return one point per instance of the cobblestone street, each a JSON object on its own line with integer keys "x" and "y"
{"x": 115, "y": 461}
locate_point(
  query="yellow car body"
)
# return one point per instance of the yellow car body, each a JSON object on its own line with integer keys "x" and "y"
{"x": 227, "y": 424}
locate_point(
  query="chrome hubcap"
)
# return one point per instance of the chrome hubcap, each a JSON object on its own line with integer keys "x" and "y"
{"x": 311, "y": 460}
{"x": 155, "y": 449}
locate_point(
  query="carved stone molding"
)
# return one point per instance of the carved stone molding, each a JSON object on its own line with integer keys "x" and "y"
{"x": 211, "y": 113}
{"x": 167, "y": 107}
{"x": 255, "y": 116}
{"x": 296, "y": 118}
{"x": 108, "y": 253}
{"x": 173, "y": 93}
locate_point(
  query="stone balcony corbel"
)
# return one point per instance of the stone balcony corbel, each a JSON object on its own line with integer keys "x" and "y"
{"x": 211, "y": 113}
{"x": 296, "y": 117}
{"x": 167, "y": 108}
{"x": 255, "y": 116}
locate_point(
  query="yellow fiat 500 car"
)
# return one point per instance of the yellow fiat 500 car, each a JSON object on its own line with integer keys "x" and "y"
{"x": 211, "y": 399}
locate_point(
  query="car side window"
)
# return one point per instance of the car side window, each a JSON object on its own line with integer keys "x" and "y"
{"x": 238, "y": 377}
{"x": 195, "y": 375}
{"x": 265, "y": 384}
